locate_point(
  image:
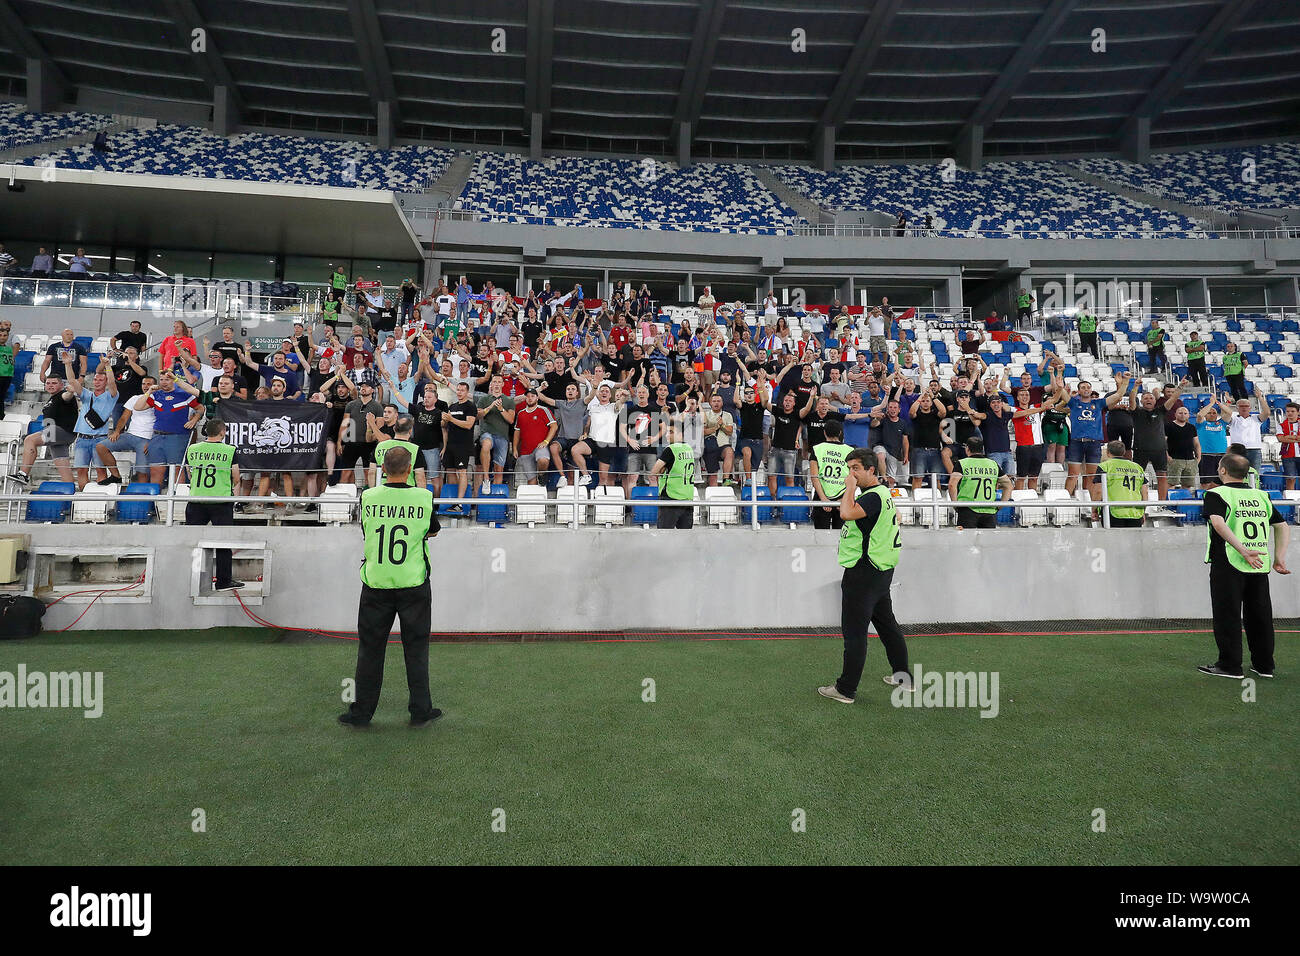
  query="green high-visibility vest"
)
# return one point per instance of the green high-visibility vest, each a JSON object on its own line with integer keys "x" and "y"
{"x": 1087, "y": 324}
{"x": 382, "y": 449}
{"x": 677, "y": 481}
{"x": 395, "y": 522}
{"x": 882, "y": 544}
{"x": 1155, "y": 337}
{"x": 1195, "y": 350}
{"x": 1024, "y": 300}
{"x": 209, "y": 463}
{"x": 1249, "y": 511}
{"x": 1252, "y": 478}
{"x": 832, "y": 466}
{"x": 1232, "y": 364}
{"x": 330, "y": 309}
{"x": 979, "y": 482}
{"x": 338, "y": 280}
{"x": 1124, "y": 482}
{"x": 6, "y": 360}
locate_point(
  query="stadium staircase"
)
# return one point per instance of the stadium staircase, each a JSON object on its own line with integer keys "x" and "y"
{"x": 448, "y": 187}
{"x": 809, "y": 210}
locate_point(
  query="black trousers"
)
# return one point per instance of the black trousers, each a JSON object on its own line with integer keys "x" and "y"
{"x": 679, "y": 519}
{"x": 968, "y": 517}
{"x": 1237, "y": 385}
{"x": 864, "y": 595}
{"x": 1235, "y": 595}
{"x": 414, "y": 608}
{"x": 1089, "y": 341}
{"x": 218, "y": 515}
{"x": 1197, "y": 372}
{"x": 827, "y": 517}
{"x": 1156, "y": 359}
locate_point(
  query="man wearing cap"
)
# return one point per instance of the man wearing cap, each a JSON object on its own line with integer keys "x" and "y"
{"x": 396, "y": 520}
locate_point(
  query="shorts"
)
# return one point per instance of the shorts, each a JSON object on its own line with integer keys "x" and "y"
{"x": 1210, "y": 467}
{"x": 1159, "y": 460}
{"x": 129, "y": 442}
{"x": 1082, "y": 451}
{"x": 58, "y": 441}
{"x": 1183, "y": 471}
{"x": 783, "y": 462}
{"x": 352, "y": 452}
{"x": 1056, "y": 434}
{"x": 712, "y": 455}
{"x": 83, "y": 451}
{"x": 1029, "y": 460}
{"x": 877, "y": 343}
{"x": 755, "y": 446}
{"x": 641, "y": 461}
{"x": 1121, "y": 434}
{"x": 926, "y": 461}
{"x": 895, "y": 468}
{"x": 528, "y": 465}
{"x": 168, "y": 449}
{"x": 500, "y": 447}
{"x": 969, "y": 518}
{"x": 1291, "y": 467}
{"x": 453, "y": 458}
{"x": 1126, "y": 522}
{"x": 1006, "y": 460}
{"x": 566, "y": 444}
{"x": 432, "y": 462}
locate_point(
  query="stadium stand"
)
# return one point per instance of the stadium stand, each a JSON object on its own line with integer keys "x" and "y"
{"x": 1022, "y": 198}
{"x": 21, "y": 128}
{"x": 1212, "y": 177}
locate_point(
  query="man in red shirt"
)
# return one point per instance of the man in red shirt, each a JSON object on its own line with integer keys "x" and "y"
{"x": 511, "y": 383}
{"x": 1288, "y": 433}
{"x": 169, "y": 349}
{"x": 534, "y": 429}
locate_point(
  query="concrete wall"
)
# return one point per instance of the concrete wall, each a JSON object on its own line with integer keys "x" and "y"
{"x": 559, "y": 579}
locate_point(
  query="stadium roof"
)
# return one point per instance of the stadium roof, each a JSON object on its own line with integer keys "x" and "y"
{"x": 725, "y": 79}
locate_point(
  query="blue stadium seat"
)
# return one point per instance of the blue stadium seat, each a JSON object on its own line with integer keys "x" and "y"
{"x": 764, "y": 514}
{"x": 450, "y": 490}
{"x": 1189, "y": 513}
{"x": 138, "y": 512}
{"x": 644, "y": 514}
{"x": 54, "y": 512}
{"x": 792, "y": 515}
{"x": 493, "y": 514}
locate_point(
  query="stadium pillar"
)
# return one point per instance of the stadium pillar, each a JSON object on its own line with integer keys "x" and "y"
{"x": 826, "y": 149}
{"x": 970, "y": 148}
{"x": 224, "y": 112}
{"x": 687, "y": 291}
{"x": 1135, "y": 141}
{"x": 948, "y": 295}
{"x": 684, "y": 144}
{"x": 1194, "y": 295}
{"x": 44, "y": 91}
{"x": 535, "y": 136}
{"x": 384, "y": 119}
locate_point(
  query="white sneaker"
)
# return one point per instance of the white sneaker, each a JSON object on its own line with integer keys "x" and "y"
{"x": 562, "y": 483}
{"x": 486, "y": 488}
{"x": 832, "y": 692}
{"x": 584, "y": 481}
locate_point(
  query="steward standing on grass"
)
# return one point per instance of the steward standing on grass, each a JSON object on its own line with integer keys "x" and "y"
{"x": 870, "y": 543}
{"x": 395, "y": 520}
{"x": 213, "y": 471}
{"x": 1239, "y": 521}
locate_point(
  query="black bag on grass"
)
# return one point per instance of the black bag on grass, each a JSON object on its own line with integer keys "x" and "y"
{"x": 20, "y": 616}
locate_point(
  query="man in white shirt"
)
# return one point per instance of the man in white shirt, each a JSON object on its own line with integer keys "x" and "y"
{"x": 1247, "y": 429}
{"x": 137, "y": 419}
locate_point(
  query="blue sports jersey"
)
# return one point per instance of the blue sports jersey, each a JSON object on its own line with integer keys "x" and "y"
{"x": 1086, "y": 418}
{"x": 1213, "y": 436}
{"x": 172, "y": 410}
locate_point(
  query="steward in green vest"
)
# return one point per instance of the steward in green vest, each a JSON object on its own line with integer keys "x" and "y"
{"x": 329, "y": 312}
{"x": 1087, "y": 324}
{"x": 977, "y": 479}
{"x": 395, "y": 521}
{"x": 1233, "y": 364}
{"x": 1125, "y": 481}
{"x": 1240, "y": 552}
{"x": 1195, "y": 350}
{"x": 212, "y": 468}
{"x": 1024, "y": 302}
{"x": 869, "y": 547}
{"x": 339, "y": 281}
{"x": 402, "y": 430}
{"x": 829, "y": 466}
{"x": 675, "y": 472}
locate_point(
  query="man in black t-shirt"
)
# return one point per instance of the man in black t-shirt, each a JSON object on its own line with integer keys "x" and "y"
{"x": 427, "y": 433}
{"x": 132, "y": 338}
{"x": 458, "y": 424}
{"x": 60, "y": 414}
{"x": 927, "y": 416}
{"x": 1184, "y": 449}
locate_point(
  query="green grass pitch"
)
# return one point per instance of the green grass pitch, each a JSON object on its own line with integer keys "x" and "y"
{"x": 558, "y": 737}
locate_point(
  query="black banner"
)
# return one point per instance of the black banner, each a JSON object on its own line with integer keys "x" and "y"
{"x": 276, "y": 436}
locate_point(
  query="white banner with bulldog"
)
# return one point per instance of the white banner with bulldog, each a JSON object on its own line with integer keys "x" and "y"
{"x": 276, "y": 436}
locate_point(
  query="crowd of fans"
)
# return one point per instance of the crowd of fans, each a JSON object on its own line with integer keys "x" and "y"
{"x": 555, "y": 389}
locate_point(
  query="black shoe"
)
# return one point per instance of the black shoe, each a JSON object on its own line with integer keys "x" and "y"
{"x": 1268, "y": 674}
{"x": 21, "y": 477}
{"x": 309, "y": 508}
{"x": 1214, "y": 670}
{"x": 229, "y": 586}
{"x": 111, "y": 480}
{"x": 349, "y": 719}
{"x": 455, "y": 510}
{"x": 419, "y": 723}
